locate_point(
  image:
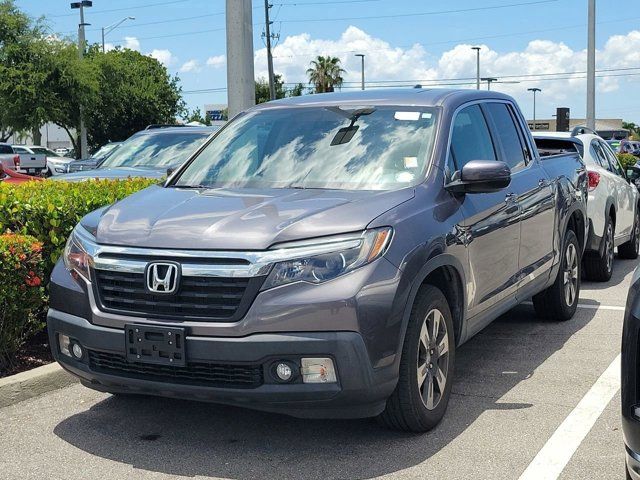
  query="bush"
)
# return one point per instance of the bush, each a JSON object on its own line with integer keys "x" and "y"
{"x": 21, "y": 293}
{"x": 627, "y": 160}
{"x": 49, "y": 210}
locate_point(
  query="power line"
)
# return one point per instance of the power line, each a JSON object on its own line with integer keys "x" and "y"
{"x": 296, "y": 4}
{"x": 415, "y": 14}
{"x": 131, "y": 7}
{"x": 462, "y": 81}
{"x": 468, "y": 39}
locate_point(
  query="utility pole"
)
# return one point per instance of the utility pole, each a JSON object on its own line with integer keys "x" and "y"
{"x": 241, "y": 90}
{"x": 361, "y": 55}
{"x": 267, "y": 34}
{"x": 489, "y": 81}
{"x": 477, "y": 49}
{"x": 84, "y": 151}
{"x": 534, "y": 90}
{"x": 591, "y": 67}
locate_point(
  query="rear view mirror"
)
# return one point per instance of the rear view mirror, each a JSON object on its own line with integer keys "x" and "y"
{"x": 481, "y": 176}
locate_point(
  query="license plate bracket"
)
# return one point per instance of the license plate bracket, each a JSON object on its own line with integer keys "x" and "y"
{"x": 157, "y": 345}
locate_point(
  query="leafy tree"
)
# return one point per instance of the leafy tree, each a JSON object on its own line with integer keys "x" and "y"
{"x": 325, "y": 74}
{"x": 134, "y": 91}
{"x": 262, "y": 89}
{"x": 296, "y": 91}
{"x": 196, "y": 116}
{"x": 634, "y": 129}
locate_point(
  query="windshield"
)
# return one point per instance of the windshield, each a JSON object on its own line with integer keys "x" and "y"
{"x": 45, "y": 151}
{"x": 102, "y": 151}
{"x": 359, "y": 148}
{"x": 155, "y": 150}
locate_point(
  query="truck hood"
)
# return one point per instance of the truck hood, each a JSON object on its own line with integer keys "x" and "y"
{"x": 236, "y": 219}
{"x": 114, "y": 173}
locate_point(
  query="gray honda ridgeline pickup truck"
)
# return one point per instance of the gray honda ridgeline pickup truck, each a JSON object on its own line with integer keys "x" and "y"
{"x": 324, "y": 256}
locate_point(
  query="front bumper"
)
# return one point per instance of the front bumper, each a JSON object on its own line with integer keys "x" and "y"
{"x": 361, "y": 391}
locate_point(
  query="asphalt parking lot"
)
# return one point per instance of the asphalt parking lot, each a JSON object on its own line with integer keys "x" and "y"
{"x": 518, "y": 384}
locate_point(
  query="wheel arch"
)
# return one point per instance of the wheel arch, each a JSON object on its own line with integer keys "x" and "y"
{"x": 445, "y": 272}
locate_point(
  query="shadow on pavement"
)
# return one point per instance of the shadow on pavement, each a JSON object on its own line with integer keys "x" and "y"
{"x": 188, "y": 438}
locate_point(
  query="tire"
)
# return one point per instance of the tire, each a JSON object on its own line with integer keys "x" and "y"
{"x": 600, "y": 267}
{"x": 556, "y": 303}
{"x": 413, "y": 406}
{"x": 629, "y": 250}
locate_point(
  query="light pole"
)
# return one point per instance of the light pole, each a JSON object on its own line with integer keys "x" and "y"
{"x": 591, "y": 67}
{"x": 84, "y": 151}
{"x": 361, "y": 55}
{"x": 241, "y": 90}
{"x": 489, "y": 81}
{"x": 477, "y": 49}
{"x": 111, "y": 28}
{"x": 534, "y": 90}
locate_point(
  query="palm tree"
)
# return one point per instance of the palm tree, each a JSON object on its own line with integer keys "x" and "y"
{"x": 325, "y": 73}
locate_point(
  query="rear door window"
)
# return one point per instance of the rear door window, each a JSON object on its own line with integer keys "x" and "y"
{"x": 470, "y": 139}
{"x": 599, "y": 155}
{"x": 506, "y": 131}
{"x": 6, "y": 149}
{"x": 613, "y": 160}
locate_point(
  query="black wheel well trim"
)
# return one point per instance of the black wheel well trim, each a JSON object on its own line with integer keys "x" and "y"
{"x": 581, "y": 233}
{"x": 432, "y": 265}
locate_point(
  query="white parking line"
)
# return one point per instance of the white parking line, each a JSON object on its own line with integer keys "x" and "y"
{"x": 593, "y": 307}
{"x": 556, "y": 453}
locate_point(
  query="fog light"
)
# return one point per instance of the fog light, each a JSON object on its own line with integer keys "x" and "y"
{"x": 76, "y": 349}
{"x": 284, "y": 372}
{"x": 318, "y": 370}
{"x": 63, "y": 342}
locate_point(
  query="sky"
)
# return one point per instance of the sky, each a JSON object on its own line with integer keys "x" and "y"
{"x": 525, "y": 44}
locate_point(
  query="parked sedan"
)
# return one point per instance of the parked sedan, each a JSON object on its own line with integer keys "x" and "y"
{"x": 94, "y": 160}
{"x": 612, "y": 205}
{"x": 149, "y": 153}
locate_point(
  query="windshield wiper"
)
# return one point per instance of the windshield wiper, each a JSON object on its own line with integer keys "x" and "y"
{"x": 196, "y": 187}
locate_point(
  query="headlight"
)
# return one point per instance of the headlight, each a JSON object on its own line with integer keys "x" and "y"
{"x": 348, "y": 255}
{"x": 75, "y": 256}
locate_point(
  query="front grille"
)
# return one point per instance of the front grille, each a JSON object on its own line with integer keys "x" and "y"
{"x": 198, "y": 298}
{"x": 194, "y": 373}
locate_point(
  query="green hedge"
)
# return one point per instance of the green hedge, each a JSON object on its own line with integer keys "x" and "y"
{"x": 49, "y": 210}
{"x": 627, "y": 160}
{"x": 22, "y": 295}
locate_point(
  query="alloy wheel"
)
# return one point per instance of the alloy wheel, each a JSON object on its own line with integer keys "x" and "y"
{"x": 608, "y": 248}
{"x": 433, "y": 359}
{"x": 570, "y": 274}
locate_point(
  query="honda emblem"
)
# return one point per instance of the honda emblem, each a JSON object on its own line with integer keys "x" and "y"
{"x": 163, "y": 277}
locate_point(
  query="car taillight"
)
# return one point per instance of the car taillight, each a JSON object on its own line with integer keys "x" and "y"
{"x": 594, "y": 180}
{"x": 16, "y": 161}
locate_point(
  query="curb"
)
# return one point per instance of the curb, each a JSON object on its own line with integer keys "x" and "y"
{"x": 33, "y": 383}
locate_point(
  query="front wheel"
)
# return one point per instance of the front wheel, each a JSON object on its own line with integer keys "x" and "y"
{"x": 560, "y": 300}
{"x": 426, "y": 367}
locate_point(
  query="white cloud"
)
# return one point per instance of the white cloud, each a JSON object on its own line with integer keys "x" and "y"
{"x": 386, "y": 62}
{"x": 216, "y": 61}
{"x": 163, "y": 56}
{"x": 192, "y": 65}
{"x": 132, "y": 43}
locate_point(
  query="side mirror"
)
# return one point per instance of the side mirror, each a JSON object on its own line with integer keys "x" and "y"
{"x": 481, "y": 176}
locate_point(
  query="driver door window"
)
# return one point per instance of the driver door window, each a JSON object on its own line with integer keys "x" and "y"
{"x": 470, "y": 139}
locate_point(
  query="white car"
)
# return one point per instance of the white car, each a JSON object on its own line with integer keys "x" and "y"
{"x": 56, "y": 163}
{"x": 612, "y": 205}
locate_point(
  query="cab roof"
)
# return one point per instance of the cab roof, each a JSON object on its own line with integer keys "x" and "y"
{"x": 420, "y": 97}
